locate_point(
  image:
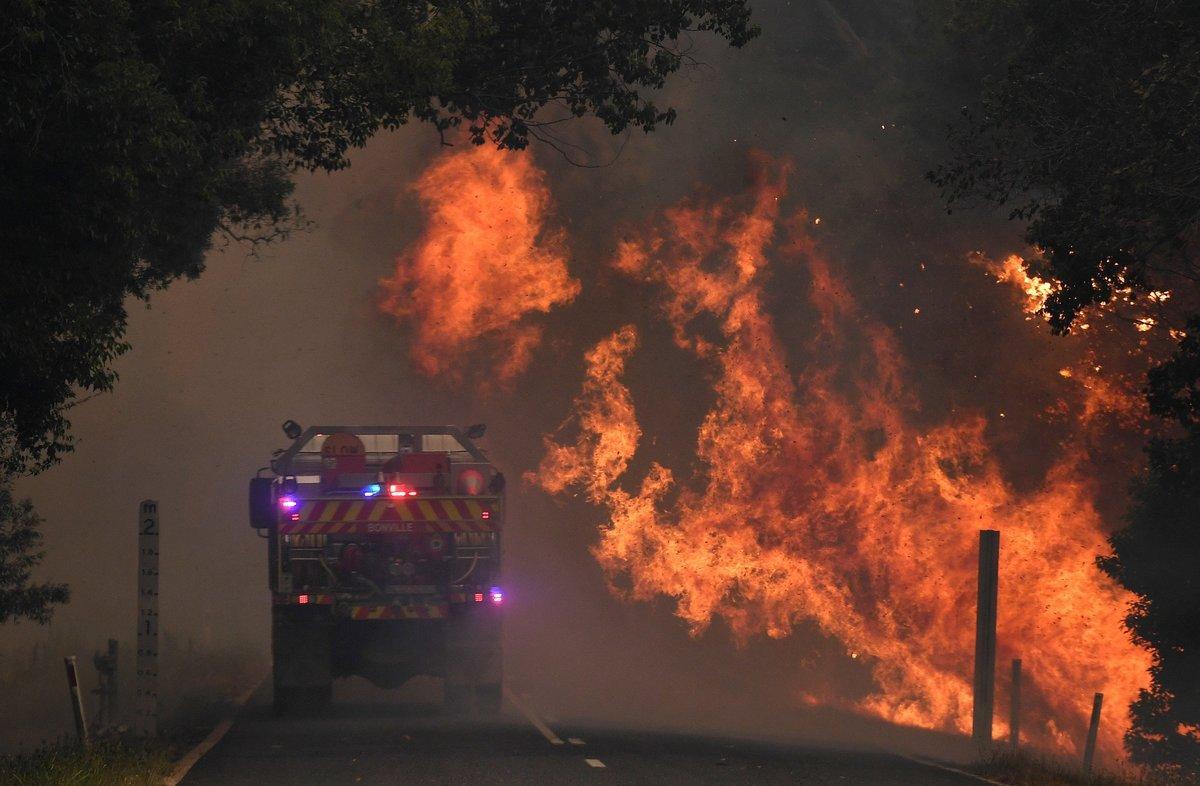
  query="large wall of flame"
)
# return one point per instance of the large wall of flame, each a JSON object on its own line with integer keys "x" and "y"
{"x": 817, "y": 498}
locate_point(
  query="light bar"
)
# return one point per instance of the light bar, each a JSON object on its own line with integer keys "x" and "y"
{"x": 497, "y": 596}
{"x": 397, "y": 490}
{"x": 372, "y": 490}
{"x": 288, "y": 503}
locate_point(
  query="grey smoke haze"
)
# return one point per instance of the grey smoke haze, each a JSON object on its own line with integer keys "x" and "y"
{"x": 218, "y": 363}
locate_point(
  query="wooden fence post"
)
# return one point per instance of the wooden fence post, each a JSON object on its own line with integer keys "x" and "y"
{"x": 1089, "y": 751}
{"x": 985, "y": 636}
{"x": 76, "y": 700}
{"x": 1014, "y": 706}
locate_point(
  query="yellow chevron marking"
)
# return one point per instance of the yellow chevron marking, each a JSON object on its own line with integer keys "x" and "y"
{"x": 404, "y": 510}
{"x": 330, "y": 509}
{"x": 474, "y": 509}
{"x": 377, "y": 509}
{"x": 427, "y": 510}
{"x": 355, "y": 511}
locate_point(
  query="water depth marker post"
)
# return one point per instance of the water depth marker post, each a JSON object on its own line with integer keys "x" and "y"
{"x": 147, "y": 631}
{"x": 985, "y": 636}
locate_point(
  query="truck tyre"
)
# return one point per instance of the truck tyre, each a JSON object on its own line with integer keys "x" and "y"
{"x": 488, "y": 698}
{"x": 456, "y": 698}
{"x": 301, "y": 654}
{"x": 302, "y": 699}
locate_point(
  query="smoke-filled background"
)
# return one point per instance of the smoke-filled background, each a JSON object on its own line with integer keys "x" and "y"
{"x": 766, "y": 299}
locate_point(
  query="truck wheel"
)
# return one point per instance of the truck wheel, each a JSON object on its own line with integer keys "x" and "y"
{"x": 288, "y": 699}
{"x": 301, "y": 654}
{"x": 456, "y": 698}
{"x": 302, "y": 699}
{"x": 488, "y": 698}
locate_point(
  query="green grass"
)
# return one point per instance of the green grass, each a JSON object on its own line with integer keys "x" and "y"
{"x": 1027, "y": 768}
{"x": 197, "y": 687}
{"x": 106, "y": 763}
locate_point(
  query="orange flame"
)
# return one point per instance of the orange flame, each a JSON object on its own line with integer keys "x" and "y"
{"x": 484, "y": 261}
{"x": 1011, "y": 270}
{"x": 818, "y": 499}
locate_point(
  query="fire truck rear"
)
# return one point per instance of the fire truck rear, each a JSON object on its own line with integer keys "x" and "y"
{"x": 383, "y": 551}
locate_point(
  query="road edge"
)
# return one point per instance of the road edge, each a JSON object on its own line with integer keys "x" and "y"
{"x": 947, "y": 768}
{"x": 184, "y": 765}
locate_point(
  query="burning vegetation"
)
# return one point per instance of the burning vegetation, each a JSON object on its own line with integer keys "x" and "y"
{"x": 485, "y": 260}
{"x": 818, "y": 495}
{"x": 819, "y": 500}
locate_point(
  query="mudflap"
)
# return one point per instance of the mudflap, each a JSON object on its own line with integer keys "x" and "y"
{"x": 474, "y": 665}
{"x": 301, "y": 649}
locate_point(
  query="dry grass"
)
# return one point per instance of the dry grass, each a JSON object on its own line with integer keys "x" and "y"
{"x": 1027, "y": 768}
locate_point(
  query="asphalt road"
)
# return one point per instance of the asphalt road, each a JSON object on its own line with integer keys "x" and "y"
{"x": 372, "y": 738}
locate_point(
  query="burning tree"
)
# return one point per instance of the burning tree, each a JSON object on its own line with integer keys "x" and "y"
{"x": 1089, "y": 131}
{"x": 818, "y": 497}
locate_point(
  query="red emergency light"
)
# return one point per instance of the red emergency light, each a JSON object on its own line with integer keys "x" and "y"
{"x": 400, "y": 490}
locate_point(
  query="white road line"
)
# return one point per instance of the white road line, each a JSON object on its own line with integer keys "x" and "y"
{"x": 595, "y": 763}
{"x": 532, "y": 717}
{"x": 955, "y": 770}
{"x": 575, "y": 741}
{"x": 184, "y": 765}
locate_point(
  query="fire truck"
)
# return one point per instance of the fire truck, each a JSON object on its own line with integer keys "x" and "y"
{"x": 383, "y": 556}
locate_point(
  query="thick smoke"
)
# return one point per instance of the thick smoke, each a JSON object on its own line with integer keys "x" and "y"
{"x": 218, "y": 363}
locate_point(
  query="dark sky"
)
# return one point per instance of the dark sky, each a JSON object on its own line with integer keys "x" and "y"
{"x": 217, "y": 364}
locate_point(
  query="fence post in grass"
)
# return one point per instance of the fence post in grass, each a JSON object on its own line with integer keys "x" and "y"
{"x": 985, "y": 636}
{"x": 1014, "y": 707}
{"x": 76, "y": 700}
{"x": 1089, "y": 751}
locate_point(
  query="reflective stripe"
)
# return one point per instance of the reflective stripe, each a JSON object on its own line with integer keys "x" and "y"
{"x": 334, "y": 512}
